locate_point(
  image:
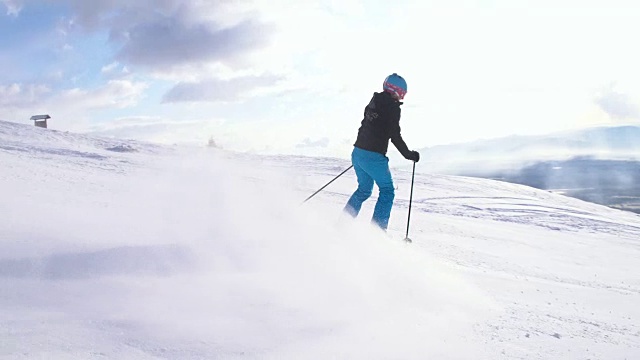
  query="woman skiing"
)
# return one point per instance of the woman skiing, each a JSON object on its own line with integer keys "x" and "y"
{"x": 381, "y": 123}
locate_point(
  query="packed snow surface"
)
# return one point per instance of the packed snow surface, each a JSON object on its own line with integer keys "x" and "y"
{"x": 116, "y": 249}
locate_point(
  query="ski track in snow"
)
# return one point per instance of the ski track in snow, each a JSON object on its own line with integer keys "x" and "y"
{"x": 563, "y": 273}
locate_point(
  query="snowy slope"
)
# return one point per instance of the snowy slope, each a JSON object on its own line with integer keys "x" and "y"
{"x": 119, "y": 249}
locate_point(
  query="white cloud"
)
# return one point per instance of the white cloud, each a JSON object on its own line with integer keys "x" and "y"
{"x": 161, "y": 35}
{"x": 188, "y": 42}
{"x": 169, "y": 42}
{"x": 619, "y": 105}
{"x": 114, "y": 94}
{"x": 13, "y": 7}
{"x": 19, "y": 95}
{"x": 110, "y": 67}
{"x": 70, "y": 108}
{"x": 218, "y": 90}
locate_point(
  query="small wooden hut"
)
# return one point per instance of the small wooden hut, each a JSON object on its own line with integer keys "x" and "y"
{"x": 40, "y": 120}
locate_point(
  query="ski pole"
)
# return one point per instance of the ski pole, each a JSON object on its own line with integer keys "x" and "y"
{"x": 334, "y": 179}
{"x": 410, "y": 199}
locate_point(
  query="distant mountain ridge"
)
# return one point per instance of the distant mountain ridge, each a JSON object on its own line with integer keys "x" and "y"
{"x": 603, "y": 143}
{"x": 600, "y": 165}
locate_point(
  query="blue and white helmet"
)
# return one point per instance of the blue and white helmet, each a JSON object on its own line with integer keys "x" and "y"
{"x": 395, "y": 85}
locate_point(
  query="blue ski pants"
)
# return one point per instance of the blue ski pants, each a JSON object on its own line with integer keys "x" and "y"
{"x": 372, "y": 167}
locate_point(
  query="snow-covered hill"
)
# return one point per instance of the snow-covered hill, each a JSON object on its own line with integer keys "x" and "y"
{"x": 125, "y": 250}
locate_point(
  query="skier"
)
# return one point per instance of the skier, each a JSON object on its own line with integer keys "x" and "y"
{"x": 381, "y": 122}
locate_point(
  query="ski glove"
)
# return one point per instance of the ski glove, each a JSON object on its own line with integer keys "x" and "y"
{"x": 415, "y": 156}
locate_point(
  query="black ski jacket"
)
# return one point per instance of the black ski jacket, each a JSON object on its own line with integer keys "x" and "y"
{"x": 382, "y": 122}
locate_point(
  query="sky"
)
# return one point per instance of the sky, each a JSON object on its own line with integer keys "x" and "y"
{"x": 177, "y": 252}
{"x": 293, "y": 77}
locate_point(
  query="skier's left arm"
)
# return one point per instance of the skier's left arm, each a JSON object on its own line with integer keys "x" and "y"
{"x": 398, "y": 141}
